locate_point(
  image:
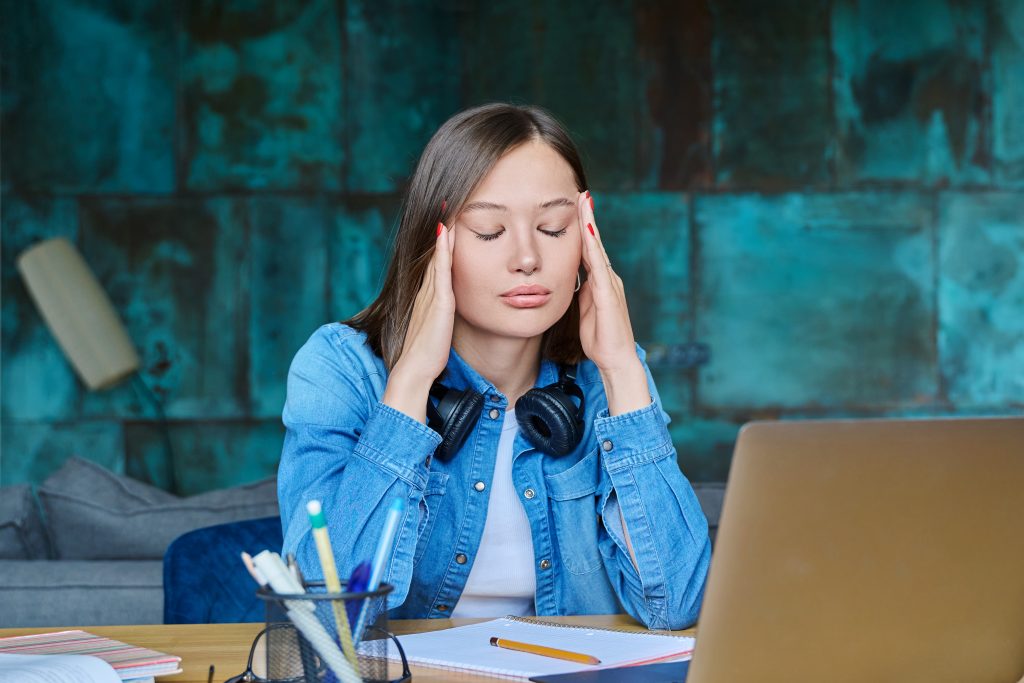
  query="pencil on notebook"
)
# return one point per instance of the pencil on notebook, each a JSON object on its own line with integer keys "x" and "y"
{"x": 545, "y": 651}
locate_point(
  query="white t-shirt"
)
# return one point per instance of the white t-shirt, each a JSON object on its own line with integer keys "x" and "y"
{"x": 502, "y": 579}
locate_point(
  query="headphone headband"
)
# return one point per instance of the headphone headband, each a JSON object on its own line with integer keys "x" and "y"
{"x": 547, "y": 416}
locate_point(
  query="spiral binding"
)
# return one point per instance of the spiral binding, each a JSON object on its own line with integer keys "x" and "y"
{"x": 534, "y": 620}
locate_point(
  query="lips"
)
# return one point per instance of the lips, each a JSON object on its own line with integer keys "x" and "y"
{"x": 526, "y": 296}
{"x": 524, "y": 290}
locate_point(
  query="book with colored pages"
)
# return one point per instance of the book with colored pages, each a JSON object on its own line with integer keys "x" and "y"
{"x": 80, "y": 656}
{"x": 468, "y": 648}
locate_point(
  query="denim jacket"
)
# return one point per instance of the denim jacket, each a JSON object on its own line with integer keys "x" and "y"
{"x": 355, "y": 454}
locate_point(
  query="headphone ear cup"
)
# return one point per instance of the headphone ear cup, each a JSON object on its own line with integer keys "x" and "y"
{"x": 548, "y": 419}
{"x": 454, "y": 417}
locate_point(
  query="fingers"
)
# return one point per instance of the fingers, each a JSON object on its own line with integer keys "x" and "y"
{"x": 442, "y": 262}
{"x": 584, "y": 233}
{"x": 428, "y": 335}
{"x": 442, "y": 250}
{"x": 436, "y": 278}
{"x": 595, "y": 256}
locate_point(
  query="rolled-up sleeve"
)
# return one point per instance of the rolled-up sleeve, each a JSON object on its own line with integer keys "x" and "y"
{"x": 667, "y": 528}
{"x": 345, "y": 448}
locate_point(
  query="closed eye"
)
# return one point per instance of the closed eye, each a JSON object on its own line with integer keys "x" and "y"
{"x": 491, "y": 236}
{"x": 487, "y": 237}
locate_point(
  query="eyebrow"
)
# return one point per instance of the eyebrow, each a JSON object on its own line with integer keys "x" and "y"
{"x": 491, "y": 206}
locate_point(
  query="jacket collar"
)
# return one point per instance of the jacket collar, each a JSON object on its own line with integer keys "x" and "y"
{"x": 461, "y": 375}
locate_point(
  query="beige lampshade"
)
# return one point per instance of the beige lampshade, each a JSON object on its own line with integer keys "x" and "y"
{"x": 78, "y": 312}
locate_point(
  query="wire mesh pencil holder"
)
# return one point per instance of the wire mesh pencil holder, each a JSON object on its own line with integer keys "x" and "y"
{"x": 297, "y": 652}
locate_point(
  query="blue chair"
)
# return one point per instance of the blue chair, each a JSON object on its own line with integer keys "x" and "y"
{"x": 205, "y": 581}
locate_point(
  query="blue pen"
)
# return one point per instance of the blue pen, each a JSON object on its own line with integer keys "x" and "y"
{"x": 357, "y": 583}
{"x": 387, "y": 540}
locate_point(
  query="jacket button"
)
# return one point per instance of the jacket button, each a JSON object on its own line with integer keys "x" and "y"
{"x": 460, "y": 558}
{"x": 495, "y": 398}
{"x": 442, "y": 608}
{"x": 607, "y": 445}
{"x": 529, "y": 494}
{"x": 545, "y": 564}
{"x": 494, "y": 413}
{"x": 426, "y": 463}
{"x": 479, "y": 486}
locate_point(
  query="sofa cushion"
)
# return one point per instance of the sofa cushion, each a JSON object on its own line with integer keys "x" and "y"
{"x": 77, "y": 593}
{"x": 22, "y": 535}
{"x": 94, "y": 514}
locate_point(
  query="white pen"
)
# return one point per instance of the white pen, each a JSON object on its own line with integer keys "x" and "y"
{"x": 303, "y": 615}
{"x": 280, "y": 578}
{"x": 293, "y": 567}
{"x": 253, "y": 572}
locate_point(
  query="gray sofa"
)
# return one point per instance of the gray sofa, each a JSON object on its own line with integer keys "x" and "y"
{"x": 87, "y": 547}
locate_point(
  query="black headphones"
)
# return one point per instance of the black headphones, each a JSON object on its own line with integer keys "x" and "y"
{"x": 547, "y": 416}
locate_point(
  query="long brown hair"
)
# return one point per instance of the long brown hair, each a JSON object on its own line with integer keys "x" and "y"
{"x": 453, "y": 163}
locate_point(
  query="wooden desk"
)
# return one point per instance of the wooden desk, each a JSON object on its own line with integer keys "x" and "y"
{"x": 226, "y": 646}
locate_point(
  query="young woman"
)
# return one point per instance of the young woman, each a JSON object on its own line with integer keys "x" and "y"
{"x": 499, "y": 394}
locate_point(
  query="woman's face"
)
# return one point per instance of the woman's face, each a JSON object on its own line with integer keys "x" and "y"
{"x": 517, "y": 248}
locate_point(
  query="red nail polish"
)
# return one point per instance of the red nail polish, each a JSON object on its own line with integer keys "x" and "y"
{"x": 444, "y": 204}
{"x": 439, "y": 228}
{"x": 588, "y": 194}
{"x": 591, "y": 228}
{"x": 591, "y": 203}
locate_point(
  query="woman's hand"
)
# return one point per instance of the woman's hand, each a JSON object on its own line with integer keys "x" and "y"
{"x": 428, "y": 339}
{"x": 605, "y": 330}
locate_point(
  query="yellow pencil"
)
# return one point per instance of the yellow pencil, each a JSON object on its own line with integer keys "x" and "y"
{"x": 545, "y": 651}
{"x": 331, "y": 581}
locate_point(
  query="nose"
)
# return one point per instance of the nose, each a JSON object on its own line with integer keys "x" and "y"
{"x": 526, "y": 255}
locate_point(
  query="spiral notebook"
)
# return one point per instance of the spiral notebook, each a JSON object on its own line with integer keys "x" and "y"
{"x": 468, "y": 648}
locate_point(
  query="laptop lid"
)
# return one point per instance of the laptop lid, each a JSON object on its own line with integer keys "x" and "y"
{"x": 869, "y": 550}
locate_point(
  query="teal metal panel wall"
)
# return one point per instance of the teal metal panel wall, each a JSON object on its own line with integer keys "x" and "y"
{"x": 829, "y": 193}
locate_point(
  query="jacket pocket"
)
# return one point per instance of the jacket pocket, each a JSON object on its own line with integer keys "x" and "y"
{"x": 433, "y": 495}
{"x": 573, "y": 499}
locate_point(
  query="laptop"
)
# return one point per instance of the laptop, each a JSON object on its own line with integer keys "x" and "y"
{"x": 869, "y": 550}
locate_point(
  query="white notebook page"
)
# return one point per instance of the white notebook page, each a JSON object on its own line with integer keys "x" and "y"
{"x": 56, "y": 669}
{"x": 468, "y": 648}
